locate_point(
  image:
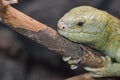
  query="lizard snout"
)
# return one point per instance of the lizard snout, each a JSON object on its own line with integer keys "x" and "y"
{"x": 61, "y": 25}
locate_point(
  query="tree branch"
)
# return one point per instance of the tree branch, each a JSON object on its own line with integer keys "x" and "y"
{"x": 46, "y": 36}
{"x": 86, "y": 76}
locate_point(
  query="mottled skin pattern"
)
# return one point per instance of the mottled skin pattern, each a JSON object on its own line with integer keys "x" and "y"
{"x": 97, "y": 29}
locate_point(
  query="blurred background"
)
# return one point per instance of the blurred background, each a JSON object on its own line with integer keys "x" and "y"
{"x": 24, "y": 59}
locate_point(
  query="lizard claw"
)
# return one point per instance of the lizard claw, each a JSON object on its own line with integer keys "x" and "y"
{"x": 66, "y": 58}
{"x": 73, "y": 67}
{"x": 72, "y": 62}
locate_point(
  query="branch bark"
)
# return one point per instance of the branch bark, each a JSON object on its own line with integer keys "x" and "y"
{"x": 86, "y": 76}
{"x": 47, "y": 36}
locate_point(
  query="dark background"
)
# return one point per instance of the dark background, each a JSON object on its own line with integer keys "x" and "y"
{"x": 24, "y": 59}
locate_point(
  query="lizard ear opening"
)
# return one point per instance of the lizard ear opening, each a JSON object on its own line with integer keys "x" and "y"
{"x": 80, "y": 23}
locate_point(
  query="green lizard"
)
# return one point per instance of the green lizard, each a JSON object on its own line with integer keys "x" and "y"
{"x": 97, "y": 29}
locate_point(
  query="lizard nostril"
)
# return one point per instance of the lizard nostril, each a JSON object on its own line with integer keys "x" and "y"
{"x": 63, "y": 27}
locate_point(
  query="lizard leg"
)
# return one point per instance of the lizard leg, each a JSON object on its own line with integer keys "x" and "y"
{"x": 100, "y": 72}
{"x": 110, "y": 69}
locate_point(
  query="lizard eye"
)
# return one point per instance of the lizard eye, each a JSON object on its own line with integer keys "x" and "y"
{"x": 80, "y": 23}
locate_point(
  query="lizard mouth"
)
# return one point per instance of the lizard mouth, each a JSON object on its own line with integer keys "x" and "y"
{"x": 62, "y": 32}
{"x": 76, "y": 36}
{"x": 75, "y": 31}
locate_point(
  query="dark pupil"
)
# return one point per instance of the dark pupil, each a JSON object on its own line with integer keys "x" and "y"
{"x": 80, "y": 24}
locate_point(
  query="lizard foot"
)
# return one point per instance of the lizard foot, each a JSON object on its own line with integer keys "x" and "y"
{"x": 72, "y": 62}
{"x": 101, "y": 72}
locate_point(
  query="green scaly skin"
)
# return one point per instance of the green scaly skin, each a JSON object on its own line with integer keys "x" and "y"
{"x": 98, "y": 29}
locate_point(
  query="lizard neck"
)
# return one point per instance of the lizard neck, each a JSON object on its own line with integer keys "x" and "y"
{"x": 109, "y": 40}
{"x": 111, "y": 47}
{"x": 113, "y": 42}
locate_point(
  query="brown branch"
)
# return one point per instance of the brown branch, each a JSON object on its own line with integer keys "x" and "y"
{"x": 86, "y": 76}
{"x": 46, "y": 36}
